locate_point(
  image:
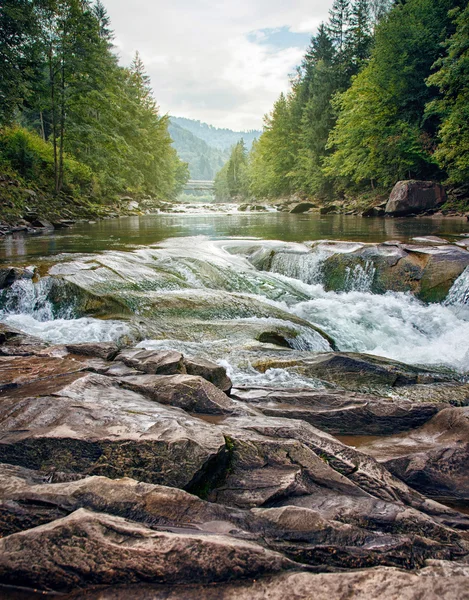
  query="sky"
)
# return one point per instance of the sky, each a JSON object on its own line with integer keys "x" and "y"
{"x": 223, "y": 63}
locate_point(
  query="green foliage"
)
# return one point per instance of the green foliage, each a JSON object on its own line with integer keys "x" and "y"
{"x": 381, "y": 134}
{"x": 204, "y": 160}
{"x": 452, "y": 80}
{"x": 83, "y": 105}
{"x": 33, "y": 159}
{"x": 365, "y": 109}
{"x": 233, "y": 179}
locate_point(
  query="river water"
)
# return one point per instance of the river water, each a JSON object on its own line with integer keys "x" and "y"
{"x": 189, "y": 282}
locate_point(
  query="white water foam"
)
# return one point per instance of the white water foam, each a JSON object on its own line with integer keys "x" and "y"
{"x": 394, "y": 325}
{"x": 459, "y": 293}
{"x": 69, "y": 331}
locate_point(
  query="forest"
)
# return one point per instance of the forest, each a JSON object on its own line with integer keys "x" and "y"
{"x": 73, "y": 123}
{"x": 382, "y": 94}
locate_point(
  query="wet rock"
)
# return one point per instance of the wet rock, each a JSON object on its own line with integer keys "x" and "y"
{"x": 413, "y": 197}
{"x": 274, "y": 458}
{"x": 430, "y": 239}
{"x": 326, "y": 210}
{"x": 433, "y": 458}
{"x": 104, "y": 350}
{"x": 16, "y": 371}
{"x": 152, "y": 361}
{"x": 440, "y": 580}
{"x": 302, "y": 207}
{"x": 340, "y": 412}
{"x": 296, "y": 531}
{"x": 374, "y": 211}
{"x": 442, "y": 266}
{"x": 354, "y": 371}
{"x": 42, "y": 224}
{"x": 8, "y": 275}
{"x": 93, "y": 427}
{"x": 87, "y": 548}
{"x": 209, "y": 370}
{"x": 191, "y": 393}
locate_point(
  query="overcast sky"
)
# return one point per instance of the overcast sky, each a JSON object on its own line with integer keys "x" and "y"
{"x": 224, "y": 63}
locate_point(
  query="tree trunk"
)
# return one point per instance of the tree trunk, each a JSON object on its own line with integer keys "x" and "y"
{"x": 54, "y": 120}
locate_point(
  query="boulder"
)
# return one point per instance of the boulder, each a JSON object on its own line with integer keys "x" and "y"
{"x": 104, "y": 350}
{"x": 8, "y": 275}
{"x": 152, "y": 361}
{"x": 414, "y": 197}
{"x": 302, "y": 207}
{"x": 191, "y": 393}
{"x": 87, "y": 548}
{"x": 42, "y": 224}
{"x": 272, "y": 459}
{"x": 340, "y": 412}
{"x": 93, "y": 427}
{"x": 353, "y": 371}
{"x": 209, "y": 370}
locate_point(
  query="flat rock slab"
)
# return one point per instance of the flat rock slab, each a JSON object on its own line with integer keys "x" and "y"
{"x": 193, "y": 394}
{"x": 397, "y": 536}
{"x": 433, "y": 458}
{"x": 88, "y": 548}
{"x": 355, "y": 371}
{"x": 340, "y": 412}
{"x": 103, "y": 350}
{"x": 21, "y": 370}
{"x": 438, "y": 581}
{"x": 153, "y": 362}
{"x": 94, "y": 427}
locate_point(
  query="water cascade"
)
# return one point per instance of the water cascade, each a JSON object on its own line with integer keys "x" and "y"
{"x": 459, "y": 293}
{"x": 206, "y": 297}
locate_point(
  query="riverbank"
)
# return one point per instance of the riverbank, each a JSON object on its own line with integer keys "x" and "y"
{"x": 27, "y": 208}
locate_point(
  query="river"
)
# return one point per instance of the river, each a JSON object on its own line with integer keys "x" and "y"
{"x": 199, "y": 283}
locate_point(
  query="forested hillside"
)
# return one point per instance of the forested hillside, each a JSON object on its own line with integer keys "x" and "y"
{"x": 204, "y": 161}
{"x": 223, "y": 139}
{"x": 382, "y": 94}
{"x": 74, "y": 125}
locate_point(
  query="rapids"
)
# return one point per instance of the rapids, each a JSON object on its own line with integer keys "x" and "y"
{"x": 207, "y": 297}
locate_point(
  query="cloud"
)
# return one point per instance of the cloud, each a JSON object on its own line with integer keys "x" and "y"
{"x": 224, "y": 63}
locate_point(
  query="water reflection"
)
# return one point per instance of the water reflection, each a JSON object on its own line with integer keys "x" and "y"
{"x": 125, "y": 232}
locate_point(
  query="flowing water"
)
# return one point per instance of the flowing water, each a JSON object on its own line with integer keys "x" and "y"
{"x": 199, "y": 284}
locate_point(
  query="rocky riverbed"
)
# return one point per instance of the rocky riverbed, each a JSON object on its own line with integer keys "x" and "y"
{"x": 236, "y": 419}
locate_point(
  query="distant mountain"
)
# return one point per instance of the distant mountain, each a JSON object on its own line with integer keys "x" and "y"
{"x": 204, "y": 147}
{"x": 204, "y": 160}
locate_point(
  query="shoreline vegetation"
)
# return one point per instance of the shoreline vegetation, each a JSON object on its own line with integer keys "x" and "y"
{"x": 380, "y": 96}
{"x": 78, "y": 133}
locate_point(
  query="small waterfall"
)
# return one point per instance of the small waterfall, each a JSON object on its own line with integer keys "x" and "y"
{"x": 306, "y": 267}
{"x": 459, "y": 293}
{"x": 360, "y": 278}
{"x": 29, "y": 298}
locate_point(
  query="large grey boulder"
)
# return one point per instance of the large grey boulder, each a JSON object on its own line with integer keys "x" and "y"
{"x": 93, "y": 427}
{"x": 191, "y": 393}
{"x": 346, "y": 413}
{"x": 413, "y": 197}
{"x": 87, "y": 548}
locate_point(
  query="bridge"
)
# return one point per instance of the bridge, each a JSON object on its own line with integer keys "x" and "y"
{"x": 199, "y": 185}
